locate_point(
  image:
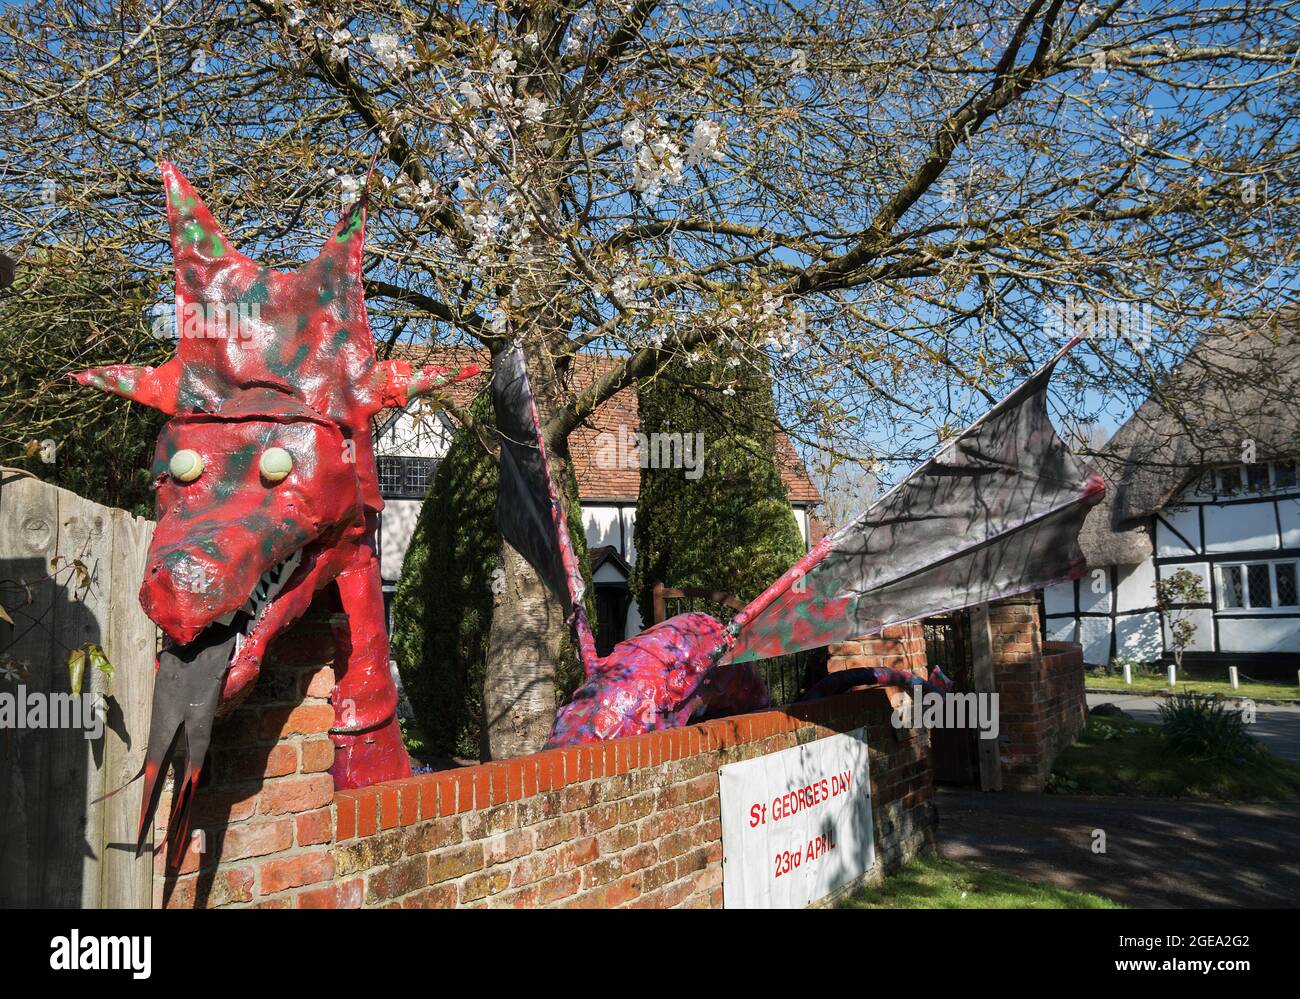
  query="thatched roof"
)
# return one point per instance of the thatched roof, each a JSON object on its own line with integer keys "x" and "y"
{"x": 1237, "y": 385}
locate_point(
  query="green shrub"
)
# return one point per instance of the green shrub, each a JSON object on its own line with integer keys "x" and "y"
{"x": 732, "y": 528}
{"x": 1204, "y": 727}
{"x": 442, "y": 607}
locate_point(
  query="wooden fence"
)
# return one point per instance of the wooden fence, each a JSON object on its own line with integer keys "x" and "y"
{"x": 70, "y": 572}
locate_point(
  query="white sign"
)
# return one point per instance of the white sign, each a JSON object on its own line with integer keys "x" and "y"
{"x": 796, "y": 824}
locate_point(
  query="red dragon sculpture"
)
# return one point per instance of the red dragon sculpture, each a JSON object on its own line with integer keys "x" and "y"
{"x": 267, "y": 491}
{"x": 996, "y": 512}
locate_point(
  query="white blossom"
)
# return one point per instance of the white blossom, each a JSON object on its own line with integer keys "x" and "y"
{"x": 633, "y": 135}
{"x": 349, "y": 190}
{"x": 503, "y": 62}
{"x": 534, "y": 109}
{"x": 624, "y": 289}
{"x": 798, "y": 62}
{"x": 389, "y": 51}
{"x": 704, "y": 143}
{"x": 295, "y": 17}
{"x": 530, "y": 41}
{"x": 469, "y": 93}
{"x": 339, "y": 44}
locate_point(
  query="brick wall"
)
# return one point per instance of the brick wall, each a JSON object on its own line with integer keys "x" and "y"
{"x": 634, "y": 822}
{"x": 899, "y": 646}
{"x": 1040, "y": 694}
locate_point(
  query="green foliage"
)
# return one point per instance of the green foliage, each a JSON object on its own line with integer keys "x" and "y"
{"x": 1122, "y": 757}
{"x": 442, "y": 608}
{"x": 70, "y": 309}
{"x": 1204, "y": 728}
{"x": 732, "y": 527}
{"x": 1173, "y": 594}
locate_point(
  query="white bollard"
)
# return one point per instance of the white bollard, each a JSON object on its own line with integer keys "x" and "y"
{"x": 1232, "y": 676}
{"x": 1128, "y": 674}
{"x": 1173, "y": 679}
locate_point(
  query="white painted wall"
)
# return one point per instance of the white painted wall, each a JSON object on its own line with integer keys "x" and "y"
{"x": 1094, "y": 636}
{"x": 1059, "y": 599}
{"x": 1137, "y": 636}
{"x": 416, "y": 433}
{"x": 1095, "y": 593}
{"x": 1240, "y": 527}
{"x": 397, "y": 522}
{"x": 1289, "y": 515}
{"x": 1135, "y": 589}
{"x": 1275, "y": 634}
{"x": 601, "y": 524}
{"x": 1203, "y": 640}
{"x": 1178, "y": 532}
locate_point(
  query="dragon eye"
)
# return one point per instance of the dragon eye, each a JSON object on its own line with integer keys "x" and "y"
{"x": 186, "y": 465}
{"x": 275, "y": 464}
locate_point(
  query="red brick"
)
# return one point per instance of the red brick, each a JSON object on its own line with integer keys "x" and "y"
{"x": 346, "y": 806}
{"x": 305, "y": 719}
{"x": 234, "y": 766}
{"x": 388, "y": 801}
{"x": 256, "y": 839}
{"x": 318, "y": 683}
{"x": 314, "y": 827}
{"x": 507, "y": 846}
{"x": 397, "y": 879}
{"x": 317, "y": 756}
{"x": 454, "y": 863}
{"x": 296, "y": 794}
{"x": 347, "y": 895}
{"x": 558, "y": 887}
{"x": 294, "y": 872}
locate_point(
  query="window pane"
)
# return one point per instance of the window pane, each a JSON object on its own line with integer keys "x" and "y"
{"x": 390, "y": 476}
{"x": 1232, "y": 594}
{"x": 1284, "y": 475}
{"x": 1261, "y": 594}
{"x": 1257, "y": 477}
{"x": 1285, "y": 584}
{"x": 1229, "y": 480}
{"x": 419, "y": 476}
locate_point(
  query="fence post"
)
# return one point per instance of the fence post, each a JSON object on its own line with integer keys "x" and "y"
{"x": 981, "y": 648}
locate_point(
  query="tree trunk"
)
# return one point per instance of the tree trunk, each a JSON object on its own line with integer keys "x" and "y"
{"x": 525, "y": 642}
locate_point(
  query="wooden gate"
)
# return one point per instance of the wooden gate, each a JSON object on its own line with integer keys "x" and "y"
{"x": 70, "y": 572}
{"x": 947, "y": 645}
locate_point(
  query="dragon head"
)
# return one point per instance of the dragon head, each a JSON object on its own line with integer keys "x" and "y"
{"x": 265, "y": 474}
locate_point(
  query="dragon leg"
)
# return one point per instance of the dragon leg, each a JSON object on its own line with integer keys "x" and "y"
{"x": 367, "y": 740}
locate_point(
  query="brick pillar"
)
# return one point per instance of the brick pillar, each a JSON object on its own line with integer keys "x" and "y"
{"x": 1040, "y": 697}
{"x": 262, "y": 818}
{"x": 899, "y": 646}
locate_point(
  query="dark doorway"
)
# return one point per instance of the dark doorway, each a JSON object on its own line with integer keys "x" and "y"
{"x": 947, "y": 645}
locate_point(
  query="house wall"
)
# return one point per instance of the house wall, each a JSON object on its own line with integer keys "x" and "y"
{"x": 1111, "y": 611}
{"x": 632, "y": 822}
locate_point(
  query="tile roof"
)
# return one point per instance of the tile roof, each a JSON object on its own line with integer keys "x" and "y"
{"x": 619, "y": 411}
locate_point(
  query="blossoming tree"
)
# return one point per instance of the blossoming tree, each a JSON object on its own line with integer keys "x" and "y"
{"x": 900, "y": 205}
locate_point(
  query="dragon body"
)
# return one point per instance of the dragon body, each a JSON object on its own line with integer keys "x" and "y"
{"x": 267, "y": 492}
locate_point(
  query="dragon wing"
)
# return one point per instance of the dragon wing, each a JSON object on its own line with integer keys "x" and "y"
{"x": 529, "y": 513}
{"x": 995, "y": 513}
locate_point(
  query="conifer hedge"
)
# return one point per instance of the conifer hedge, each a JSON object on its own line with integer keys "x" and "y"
{"x": 442, "y": 608}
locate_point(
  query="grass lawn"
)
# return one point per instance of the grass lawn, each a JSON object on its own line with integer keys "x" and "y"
{"x": 1117, "y": 756}
{"x": 932, "y": 883}
{"x": 1146, "y": 684}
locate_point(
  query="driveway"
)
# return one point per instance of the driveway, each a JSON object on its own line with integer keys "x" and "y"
{"x": 1276, "y": 726}
{"x": 1159, "y": 853}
